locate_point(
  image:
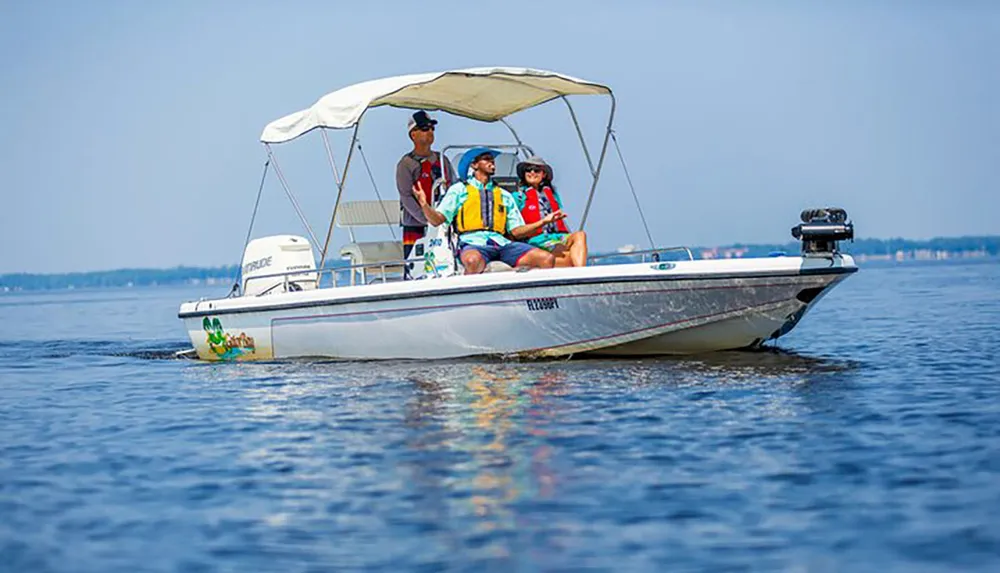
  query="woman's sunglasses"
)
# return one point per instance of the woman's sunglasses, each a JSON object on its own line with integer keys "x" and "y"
{"x": 534, "y": 170}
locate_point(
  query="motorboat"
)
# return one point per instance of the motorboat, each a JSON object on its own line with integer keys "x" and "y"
{"x": 291, "y": 302}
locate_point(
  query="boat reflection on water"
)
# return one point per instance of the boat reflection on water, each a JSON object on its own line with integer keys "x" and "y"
{"x": 489, "y": 424}
{"x": 505, "y": 448}
{"x": 487, "y": 458}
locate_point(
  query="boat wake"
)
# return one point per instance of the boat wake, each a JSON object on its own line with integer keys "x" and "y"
{"x": 773, "y": 357}
{"x": 55, "y": 349}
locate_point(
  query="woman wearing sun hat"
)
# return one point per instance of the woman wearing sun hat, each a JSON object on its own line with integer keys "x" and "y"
{"x": 537, "y": 198}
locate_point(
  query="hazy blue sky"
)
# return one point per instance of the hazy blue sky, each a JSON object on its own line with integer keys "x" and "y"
{"x": 131, "y": 128}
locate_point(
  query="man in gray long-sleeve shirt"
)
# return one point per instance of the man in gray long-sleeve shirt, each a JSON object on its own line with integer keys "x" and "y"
{"x": 418, "y": 170}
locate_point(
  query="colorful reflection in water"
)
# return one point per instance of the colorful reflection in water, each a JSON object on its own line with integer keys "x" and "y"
{"x": 494, "y": 420}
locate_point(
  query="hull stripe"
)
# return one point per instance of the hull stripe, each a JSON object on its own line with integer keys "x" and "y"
{"x": 516, "y": 301}
{"x": 505, "y": 287}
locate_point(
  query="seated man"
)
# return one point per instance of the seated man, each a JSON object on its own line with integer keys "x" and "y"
{"x": 483, "y": 213}
{"x": 536, "y": 198}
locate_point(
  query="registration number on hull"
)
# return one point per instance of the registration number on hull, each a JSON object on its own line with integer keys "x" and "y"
{"x": 542, "y": 304}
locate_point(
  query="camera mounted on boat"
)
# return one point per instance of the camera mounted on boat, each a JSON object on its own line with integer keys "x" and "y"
{"x": 822, "y": 229}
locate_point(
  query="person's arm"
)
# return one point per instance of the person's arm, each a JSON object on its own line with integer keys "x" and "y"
{"x": 404, "y": 184}
{"x": 524, "y": 231}
{"x": 447, "y": 207}
{"x": 430, "y": 214}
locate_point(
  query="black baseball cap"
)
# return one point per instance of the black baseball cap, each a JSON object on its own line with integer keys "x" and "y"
{"x": 419, "y": 119}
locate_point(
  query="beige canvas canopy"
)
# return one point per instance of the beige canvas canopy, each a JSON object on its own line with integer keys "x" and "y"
{"x": 485, "y": 94}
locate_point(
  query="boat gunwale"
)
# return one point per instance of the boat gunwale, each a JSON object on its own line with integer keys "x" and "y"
{"x": 837, "y": 270}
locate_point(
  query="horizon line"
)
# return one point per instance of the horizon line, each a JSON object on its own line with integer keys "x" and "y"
{"x": 617, "y": 250}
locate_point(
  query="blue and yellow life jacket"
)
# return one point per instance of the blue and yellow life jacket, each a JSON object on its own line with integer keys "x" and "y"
{"x": 483, "y": 210}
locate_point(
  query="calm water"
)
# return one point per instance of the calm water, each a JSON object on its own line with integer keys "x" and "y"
{"x": 870, "y": 441}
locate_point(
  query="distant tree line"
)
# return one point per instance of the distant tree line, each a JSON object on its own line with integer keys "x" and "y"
{"x": 991, "y": 245}
{"x": 188, "y": 275}
{"x": 953, "y": 245}
{"x": 116, "y": 278}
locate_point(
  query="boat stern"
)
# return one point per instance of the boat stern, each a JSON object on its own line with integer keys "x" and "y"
{"x": 226, "y": 338}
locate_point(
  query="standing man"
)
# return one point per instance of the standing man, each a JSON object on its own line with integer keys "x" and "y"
{"x": 419, "y": 169}
{"x": 483, "y": 214}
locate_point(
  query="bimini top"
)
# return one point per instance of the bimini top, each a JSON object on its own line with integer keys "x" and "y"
{"x": 486, "y": 94}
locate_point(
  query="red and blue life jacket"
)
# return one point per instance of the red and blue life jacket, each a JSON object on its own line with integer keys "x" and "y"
{"x": 537, "y": 206}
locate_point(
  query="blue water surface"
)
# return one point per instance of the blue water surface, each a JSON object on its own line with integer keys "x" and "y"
{"x": 869, "y": 439}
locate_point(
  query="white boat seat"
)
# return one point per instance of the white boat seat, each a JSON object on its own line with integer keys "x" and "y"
{"x": 373, "y": 252}
{"x": 352, "y": 214}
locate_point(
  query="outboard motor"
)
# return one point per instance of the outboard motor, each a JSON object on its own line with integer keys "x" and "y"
{"x": 821, "y": 229}
{"x": 287, "y": 257}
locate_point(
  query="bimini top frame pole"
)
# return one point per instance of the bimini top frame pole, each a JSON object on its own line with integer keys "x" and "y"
{"x": 600, "y": 161}
{"x": 340, "y": 192}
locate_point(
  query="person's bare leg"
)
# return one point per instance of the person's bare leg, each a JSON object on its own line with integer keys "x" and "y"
{"x": 536, "y": 259}
{"x": 577, "y": 245}
{"x": 562, "y": 256}
{"x": 473, "y": 261}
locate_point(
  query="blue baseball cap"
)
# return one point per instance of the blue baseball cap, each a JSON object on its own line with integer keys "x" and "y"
{"x": 469, "y": 156}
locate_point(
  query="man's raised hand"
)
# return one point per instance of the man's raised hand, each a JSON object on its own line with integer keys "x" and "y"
{"x": 418, "y": 193}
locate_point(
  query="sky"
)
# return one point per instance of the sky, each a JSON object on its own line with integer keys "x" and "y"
{"x": 131, "y": 129}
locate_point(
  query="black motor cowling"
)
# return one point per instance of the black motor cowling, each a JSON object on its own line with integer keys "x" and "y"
{"x": 821, "y": 229}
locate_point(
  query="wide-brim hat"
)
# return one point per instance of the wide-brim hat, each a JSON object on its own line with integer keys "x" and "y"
{"x": 469, "y": 156}
{"x": 534, "y": 161}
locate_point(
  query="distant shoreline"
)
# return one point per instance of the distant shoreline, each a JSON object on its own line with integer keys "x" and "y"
{"x": 864, "y": 250}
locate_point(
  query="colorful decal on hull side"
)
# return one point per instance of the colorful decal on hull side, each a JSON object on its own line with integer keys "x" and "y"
{"x": 224, "y": 345}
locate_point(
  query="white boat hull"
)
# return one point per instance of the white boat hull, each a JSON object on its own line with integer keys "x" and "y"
{"x": 637, "y": 309}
